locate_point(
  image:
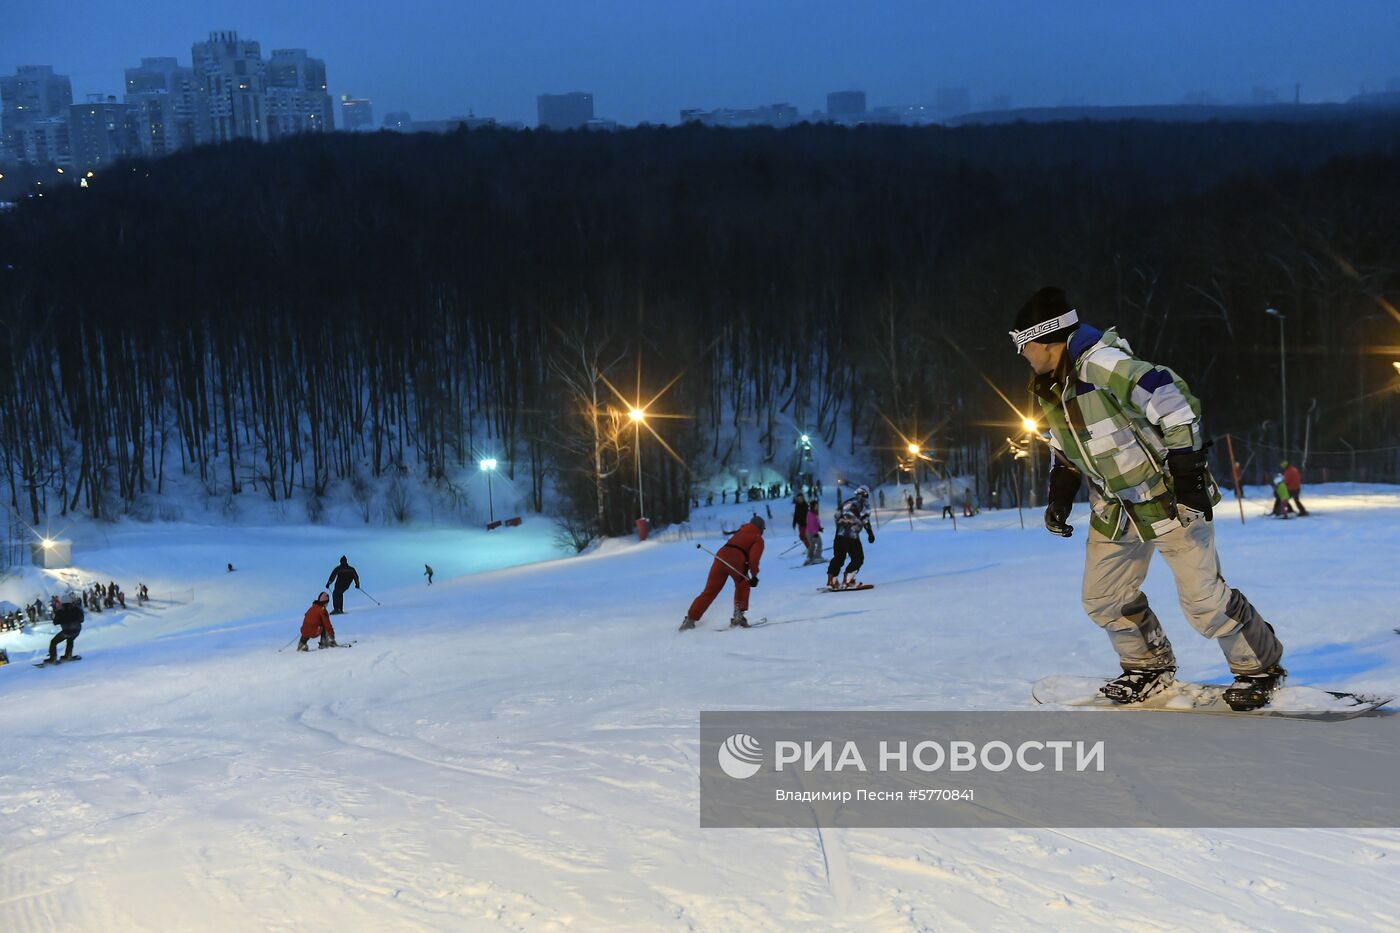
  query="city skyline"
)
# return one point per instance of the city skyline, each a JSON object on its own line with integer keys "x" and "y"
{"x": 433, "y": 60}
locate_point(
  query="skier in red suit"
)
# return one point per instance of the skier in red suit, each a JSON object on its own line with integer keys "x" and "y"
{"x": 737, "y": 560}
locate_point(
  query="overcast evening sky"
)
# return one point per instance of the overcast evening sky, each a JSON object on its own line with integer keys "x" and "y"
{"x": 648, "y": 60}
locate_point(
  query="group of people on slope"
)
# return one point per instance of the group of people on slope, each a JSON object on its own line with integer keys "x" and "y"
{"x": 739, "y": 557}
{"x": 1132, "y": 429}
{"x": 316, "y": 623}
{"x": 1287, "y": 486}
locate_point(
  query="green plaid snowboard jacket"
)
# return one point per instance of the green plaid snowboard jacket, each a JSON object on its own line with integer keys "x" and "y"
{"x": 1115, "y": 418}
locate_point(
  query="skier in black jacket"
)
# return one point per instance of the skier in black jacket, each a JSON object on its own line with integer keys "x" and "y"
{"x": 70, "y": 618}
{"x": 343, "y": 575}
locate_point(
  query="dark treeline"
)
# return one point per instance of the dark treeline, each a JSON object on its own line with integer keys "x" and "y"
{"x": 278, "y": 319}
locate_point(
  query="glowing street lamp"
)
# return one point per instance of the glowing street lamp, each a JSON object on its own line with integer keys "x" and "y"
{"x": 47, "y": 544}
{"x": 1029, "y": 425}
{"x": 638, "y": 417}
{"x": 488, "y": 466}
{"x": 1396, "y": 364}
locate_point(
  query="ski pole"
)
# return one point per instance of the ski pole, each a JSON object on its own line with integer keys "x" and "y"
{"x": 369, "y": 597}
{"x": 794, "y": 544}
{"x": 720, "y": 559}
{"x": 286, "y": 646}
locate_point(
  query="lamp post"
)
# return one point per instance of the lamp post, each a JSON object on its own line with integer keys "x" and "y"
{"x": 488, "y": 466}
{"x": 1283, "y": 376}
{"x": 1031, "y": 434}
{"x": 638, "y": 416}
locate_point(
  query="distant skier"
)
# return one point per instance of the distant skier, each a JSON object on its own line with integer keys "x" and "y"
{"x": 317, "y": 624}
{"x": 1293, "y": 481}
{"x": 230, "y": 568}
{"x": 69, "y": 616}
{"x": 851, "y": 518}
{"x": 799, "y": 518}
{"x": 738, "y": 560}
{"x": 814, "y": 534}
{"x": 1134, "y": 429}
{"x": 343, "y": 575}
{"x": 428, "y": 572}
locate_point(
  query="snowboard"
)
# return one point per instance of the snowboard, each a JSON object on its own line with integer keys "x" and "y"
{"x": 846, "y": 589}
{"x": 47, "y": 663}
{"x": 1289, "y": 702}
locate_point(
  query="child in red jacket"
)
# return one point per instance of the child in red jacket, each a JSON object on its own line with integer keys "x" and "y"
{"x": 317, "y": 622}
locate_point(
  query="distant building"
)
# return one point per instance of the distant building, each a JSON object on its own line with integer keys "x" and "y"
{"x": 356, "y": 114}
{"x": 101, "y": 132}
{"x": 44, "y": 142}
{"x": 232, "y": 76}
{"x": 450, "y": 125}
{"x": 778, "y": 115}
{"x": 297, "y": 99}
{"x": 31, "y": 100}
{"x": 952, "y": 101}
{"x": 169, "y": 110}
{"x": 400, "y": 121}
{"x": 842, "y": 105}
{"x": 564, "y": 111}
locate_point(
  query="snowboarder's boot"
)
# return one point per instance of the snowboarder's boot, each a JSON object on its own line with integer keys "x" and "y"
{"x": 687, "y": 624}
{"x": 850, "y": 582}
{"x": 1135, "y": 685}
{"x": 52, "y": 658}
{"x": 1251, "y": 691}
{"x": 831, "y": 583}
{"x": 301, "y": 645}
{"x": 738, "y": 621}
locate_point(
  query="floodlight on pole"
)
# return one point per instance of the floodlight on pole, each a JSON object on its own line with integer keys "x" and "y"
{"x": 1028, "y": 424}
{"x": 488, "y": 466}
{"x": 638, "y": 416}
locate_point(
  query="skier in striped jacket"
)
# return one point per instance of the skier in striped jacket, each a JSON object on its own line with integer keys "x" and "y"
{"x": 1134, "y": 430}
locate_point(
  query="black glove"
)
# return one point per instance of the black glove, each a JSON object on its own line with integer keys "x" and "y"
{"x": 753, "y": 579}
{"x": 1189, "y": 482}
{"x": 1064, "y": 486}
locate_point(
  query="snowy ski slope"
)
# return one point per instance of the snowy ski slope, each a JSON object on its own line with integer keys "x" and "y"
{"x": 515, "y": 746}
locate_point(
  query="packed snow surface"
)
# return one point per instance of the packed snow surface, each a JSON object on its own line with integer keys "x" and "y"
{"x": 516, "y": 745}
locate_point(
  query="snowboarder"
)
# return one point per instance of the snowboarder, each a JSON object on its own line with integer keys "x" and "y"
{"x": 851, "y": 518}
{"x": 738, "y": 559}
{"x": 69, "y": 617}
{"x": 1134, "y": 429}
{"x": 799, "y": 519}
{"x": 428, "y": 572}
{"x": 343, "y": 575}
{"x": 230, "y": 568}
{"x": 317, "y": 624}
{"x": 1293, "y": 481}
{"x": 814, "y": 535}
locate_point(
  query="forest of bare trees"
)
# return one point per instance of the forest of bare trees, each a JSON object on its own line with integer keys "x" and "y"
{"x": 275, "y": 320}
